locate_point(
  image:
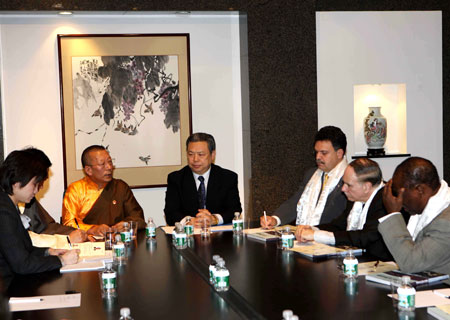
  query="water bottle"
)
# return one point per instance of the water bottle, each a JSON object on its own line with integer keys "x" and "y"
{"x": 222, "y": 277}
{"x": 406, "y": 295}
{"x": 350, "y": 265}
{"x": 126, "y": 232}
{"x": 119, "y": 256}
{"x": 109, "y": 286}
{"x": 287, "y": 239}
{"x": 212, "y": 268}
{"x": 189, "y": 228}
{"x": 150, "y": 230}
{"x": 180, "y": 236}
{"x": 125, "y": 314}
{"x": 238, "y": 224}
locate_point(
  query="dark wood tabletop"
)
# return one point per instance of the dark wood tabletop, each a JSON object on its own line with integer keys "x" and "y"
{"x": 161, "y": 282}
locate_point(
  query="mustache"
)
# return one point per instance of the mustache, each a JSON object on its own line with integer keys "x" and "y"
{"x": 319, "y": 162}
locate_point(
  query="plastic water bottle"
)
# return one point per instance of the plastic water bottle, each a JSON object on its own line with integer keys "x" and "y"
{"x": 150, "y": 230}
{"x": 212, "y": 268}
{"x": 119, "y": 256}
{"x": 350, "y": 265}
{"x": 180, "y": 236}
{"x": 125, "y": 314}
{"x": 287, "y": 239}
{"x": 222, "y": 277}
{"x": 189, "y": 228}
{"x": 238, "y": 224}
{"x": 406, "y": 295}
{"x": 126, "y": 232}
{"x": 109, "y": 285}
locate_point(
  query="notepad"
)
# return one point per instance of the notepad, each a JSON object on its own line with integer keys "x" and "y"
{"x": 83, "y": 266}
{"x": 314, "y": 250}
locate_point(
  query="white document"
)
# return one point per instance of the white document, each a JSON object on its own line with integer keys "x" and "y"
{"x": 45, "y": 302}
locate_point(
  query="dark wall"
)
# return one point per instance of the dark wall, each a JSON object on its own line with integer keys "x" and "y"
{"x": 282, "y": 77}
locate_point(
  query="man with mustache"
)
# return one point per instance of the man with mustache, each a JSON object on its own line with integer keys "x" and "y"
{"x": 424, "y": 243}
{"x": 99, "y": 203}
{"x": 319, "y": 198}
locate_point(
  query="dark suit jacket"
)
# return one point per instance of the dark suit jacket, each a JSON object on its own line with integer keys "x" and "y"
{"x": 368, "y": 238}
{"x": 42, "y": 222}
{"x": 17, "y": 254}
{"x": 335, "y": 205}
{"x": 222, "y": 195}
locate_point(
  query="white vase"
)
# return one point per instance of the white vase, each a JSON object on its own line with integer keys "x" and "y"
{"x": 375, "y": 130}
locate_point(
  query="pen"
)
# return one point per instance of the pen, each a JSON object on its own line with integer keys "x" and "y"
{"x": 70, "y": 243}
{"x": 376, "y": 265}
{"x": 25, "y": 300}
{"x": 441, "y": 294}
{"x": 265, "y": 217}
{"x": 78, "y": 226}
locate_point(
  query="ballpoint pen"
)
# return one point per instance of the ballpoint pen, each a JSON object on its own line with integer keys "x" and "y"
{"x": 76, "y": 221}
{"x": 70, "y": 243}
{"x": 376, "y": 265}
{"x": 25, "y": 300}
{"x": 265, "y": 217}
{"x": 441, "y": 294}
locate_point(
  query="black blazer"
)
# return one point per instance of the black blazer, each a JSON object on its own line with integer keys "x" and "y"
{"x": 335, "y": 205}
{"x": 17, "y": 254}
{"x": 368, "y": 238}
{"x": 222, "y": 195}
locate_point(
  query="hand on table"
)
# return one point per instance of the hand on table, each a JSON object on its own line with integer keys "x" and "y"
{"x": 204, "y": 213}
{"x": 78, "y": 236}
{"x": 99, "y": 230}
{"x": 66, "y": 256}
{"x": 304, "y": 233}
{"x": 70, "y": 257}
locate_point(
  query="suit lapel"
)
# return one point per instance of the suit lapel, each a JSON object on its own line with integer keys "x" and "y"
{"x": 212, "y": 186}
{"x": 190, "y": 188}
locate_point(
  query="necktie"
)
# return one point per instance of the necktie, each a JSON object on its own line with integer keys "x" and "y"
{"x": 324, "y": 182}
{"x": 201, "y": 193}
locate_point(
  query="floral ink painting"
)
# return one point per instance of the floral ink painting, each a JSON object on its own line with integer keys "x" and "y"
{"x": 131, "y": 94}
{"x": 128, "y": 103}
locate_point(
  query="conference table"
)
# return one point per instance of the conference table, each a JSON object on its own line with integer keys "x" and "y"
{"x": 162, "y": 282}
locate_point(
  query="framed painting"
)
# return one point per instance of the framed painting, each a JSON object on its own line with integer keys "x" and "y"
{"x": 130, "y": 94}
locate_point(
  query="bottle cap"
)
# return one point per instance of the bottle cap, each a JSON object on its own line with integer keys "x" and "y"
{"x": 287, "y": 313}
{"x": 125, "y": 312}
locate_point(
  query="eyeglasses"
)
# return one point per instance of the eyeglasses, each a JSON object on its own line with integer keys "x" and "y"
{"x": 102, "y": 165}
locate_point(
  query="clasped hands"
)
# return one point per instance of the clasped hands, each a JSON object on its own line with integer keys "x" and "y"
{"x": 203, "y": 214}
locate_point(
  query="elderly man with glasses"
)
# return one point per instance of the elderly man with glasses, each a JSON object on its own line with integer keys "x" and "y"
{"x": 99, "y": 203}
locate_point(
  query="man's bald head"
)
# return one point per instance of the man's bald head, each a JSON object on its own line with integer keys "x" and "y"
{"x": 416, "y": 170}
{"x": 420, "y": 181}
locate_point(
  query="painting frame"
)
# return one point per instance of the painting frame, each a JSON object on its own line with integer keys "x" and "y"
{"x": 123, "y": 45}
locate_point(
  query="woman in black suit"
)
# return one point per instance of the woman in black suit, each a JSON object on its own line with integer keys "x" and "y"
{"x": 22, "y": 174}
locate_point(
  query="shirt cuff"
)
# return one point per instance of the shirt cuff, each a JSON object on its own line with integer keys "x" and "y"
{"x": 219, "y": 218}
{"x": 278, "y": 221}
{"x": 388, "y": 216}
{"x": 325, "y": 237}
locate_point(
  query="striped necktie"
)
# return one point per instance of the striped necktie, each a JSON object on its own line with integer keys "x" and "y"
{"x": 201, "y": 193}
